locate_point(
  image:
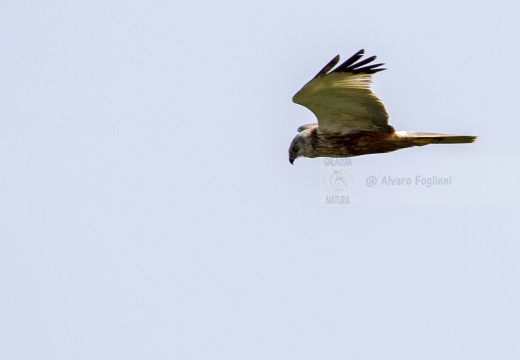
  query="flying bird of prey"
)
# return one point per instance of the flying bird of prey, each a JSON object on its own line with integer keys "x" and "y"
{"x": 352, "y": 121}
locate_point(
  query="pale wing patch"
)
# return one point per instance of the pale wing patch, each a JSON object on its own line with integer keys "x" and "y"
{"x": 343, "y": 102}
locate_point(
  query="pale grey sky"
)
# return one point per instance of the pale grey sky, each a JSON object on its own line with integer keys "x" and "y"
{"x": 148, "y": 209}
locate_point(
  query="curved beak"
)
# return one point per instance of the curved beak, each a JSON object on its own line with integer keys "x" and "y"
{"x": 291, "y": 160}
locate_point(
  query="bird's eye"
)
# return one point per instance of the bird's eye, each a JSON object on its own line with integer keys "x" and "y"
{"x": 295, "y": 148}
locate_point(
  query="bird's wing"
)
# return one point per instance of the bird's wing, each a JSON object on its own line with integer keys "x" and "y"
{"x": 342, "y": 100}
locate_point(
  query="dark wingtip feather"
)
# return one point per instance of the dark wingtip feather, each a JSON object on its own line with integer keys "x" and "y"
{"x": 352, "y": 65}
{"x": 363, "y": 62}
{"x": 351, "y": 60}
{"x": 377, "y": 70}
{"x": 328, "y": 67}
{"x": 366, "y": 69}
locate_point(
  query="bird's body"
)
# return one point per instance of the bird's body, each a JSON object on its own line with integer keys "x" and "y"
{"x": 352, "y": 121}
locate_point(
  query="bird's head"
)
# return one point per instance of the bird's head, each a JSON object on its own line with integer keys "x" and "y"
{"x": 301, "y": 146}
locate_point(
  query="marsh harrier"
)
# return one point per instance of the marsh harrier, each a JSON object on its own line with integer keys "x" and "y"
{"x": 352, "y": 121}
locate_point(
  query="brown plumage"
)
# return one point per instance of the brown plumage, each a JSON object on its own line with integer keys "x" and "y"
{"x": 352, "y": 121}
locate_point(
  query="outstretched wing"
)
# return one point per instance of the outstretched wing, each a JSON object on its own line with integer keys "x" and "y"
{"x": 342, "y": 100}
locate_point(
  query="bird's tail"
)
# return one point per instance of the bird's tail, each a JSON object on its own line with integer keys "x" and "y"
{"x": 419, "y": 138}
